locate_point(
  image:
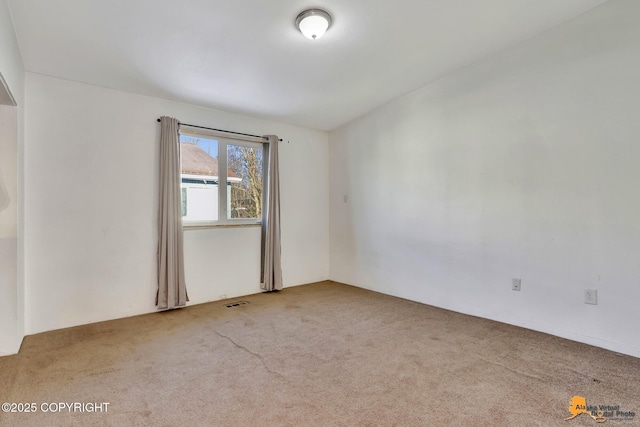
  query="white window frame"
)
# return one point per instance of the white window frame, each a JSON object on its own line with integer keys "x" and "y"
{"x": 223, "y": 141}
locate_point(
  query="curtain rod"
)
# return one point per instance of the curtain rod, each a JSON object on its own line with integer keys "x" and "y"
{"x": 222, "y": 130}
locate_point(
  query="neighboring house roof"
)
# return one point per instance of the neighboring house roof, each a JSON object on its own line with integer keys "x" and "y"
{"x": 196, "y": 161}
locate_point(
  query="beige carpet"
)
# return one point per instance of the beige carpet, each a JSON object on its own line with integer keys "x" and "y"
{"x": 323, "y": 354}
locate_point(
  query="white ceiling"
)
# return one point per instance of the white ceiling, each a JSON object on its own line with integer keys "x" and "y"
{"x": 246, "y": 56}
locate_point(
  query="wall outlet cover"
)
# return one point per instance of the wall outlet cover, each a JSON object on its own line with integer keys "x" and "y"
{"x": 516, "y": 284}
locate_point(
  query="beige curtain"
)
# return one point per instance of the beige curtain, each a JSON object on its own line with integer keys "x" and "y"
{"x": 172, "y": 291}
{"x": 271, "y": 277}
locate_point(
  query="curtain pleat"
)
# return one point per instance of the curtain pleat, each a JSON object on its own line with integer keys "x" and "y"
{"x": 271, "y": 277}
{"x": 172, "y": 290}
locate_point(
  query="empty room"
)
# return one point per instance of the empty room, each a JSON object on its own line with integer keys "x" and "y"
{"x": 431, "y": 214}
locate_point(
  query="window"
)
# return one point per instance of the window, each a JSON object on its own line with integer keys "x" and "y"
{"x": 245, "y": 162}
{"x": 208, "y": 161}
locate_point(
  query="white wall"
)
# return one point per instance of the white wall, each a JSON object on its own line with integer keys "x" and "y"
{"x": 11, "y": 150}
{"x": 9, "y": 335}
{"x": 90, "y": 206}
{"x": 524, "y": 165}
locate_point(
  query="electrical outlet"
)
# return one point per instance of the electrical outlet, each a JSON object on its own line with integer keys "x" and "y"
{"x": 591, "y": 296}
{"x": 515, "y": 284}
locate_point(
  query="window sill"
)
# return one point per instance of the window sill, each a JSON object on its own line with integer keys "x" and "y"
{"x": 190, "y": 227}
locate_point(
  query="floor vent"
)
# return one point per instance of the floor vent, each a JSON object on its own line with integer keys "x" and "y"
{"x": 236, "y": 304}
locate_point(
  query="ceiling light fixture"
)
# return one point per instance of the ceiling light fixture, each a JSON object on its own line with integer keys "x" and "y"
{"x": 313, "y": 23}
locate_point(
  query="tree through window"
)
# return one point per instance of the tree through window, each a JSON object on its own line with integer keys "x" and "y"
{"x": 246, "y": 195}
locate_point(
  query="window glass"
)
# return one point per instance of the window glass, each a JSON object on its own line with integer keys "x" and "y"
{"x": 200, "y": 178}
{"x": 207, "y": 158}
{"x": 244, "y": 174}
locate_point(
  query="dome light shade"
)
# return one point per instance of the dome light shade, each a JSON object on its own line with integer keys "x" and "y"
{"x": 313, "y": 23}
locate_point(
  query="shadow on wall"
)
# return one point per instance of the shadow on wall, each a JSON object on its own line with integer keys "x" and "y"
{"x": 4, "y": 196}
{"x": 5, "y": 99}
